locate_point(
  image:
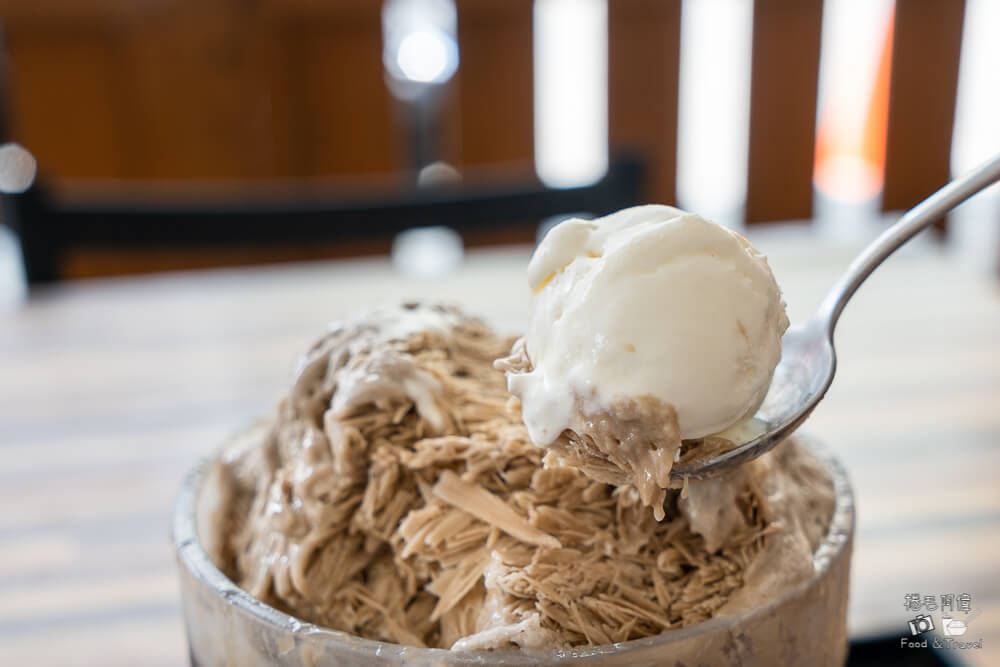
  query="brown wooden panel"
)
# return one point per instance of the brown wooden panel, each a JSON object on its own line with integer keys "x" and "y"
{"x": 643, "y": 66}
{"x": 178, "y": 91}
{"x": 926, "y": 47}
{"x": 186, "y": 79}
{"x": 339, "y": 106}
{"x": 94, "y": 12}
{"x": 211, "y": 89}
{"x": 63, "y": 103}
{"x": 783, "y": 87}
{"x": 494, "y": 81}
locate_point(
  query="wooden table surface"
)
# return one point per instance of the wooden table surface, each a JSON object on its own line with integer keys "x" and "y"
{"x": 110, "y": 391}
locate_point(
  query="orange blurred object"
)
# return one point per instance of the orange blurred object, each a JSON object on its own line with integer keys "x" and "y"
{"x": 850, "y": 156}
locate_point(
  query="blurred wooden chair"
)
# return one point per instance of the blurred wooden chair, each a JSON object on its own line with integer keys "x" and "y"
{"x": 279, "y": 90}
{"x": 783, "y": 97}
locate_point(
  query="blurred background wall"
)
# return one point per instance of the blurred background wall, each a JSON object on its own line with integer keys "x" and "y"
{"x": 745, "y": 110}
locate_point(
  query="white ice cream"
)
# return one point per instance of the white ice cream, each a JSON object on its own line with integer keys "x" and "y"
{"x": 648, "y": 301}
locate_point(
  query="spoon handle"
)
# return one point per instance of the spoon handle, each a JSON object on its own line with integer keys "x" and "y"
{"x": 918, "y": 217}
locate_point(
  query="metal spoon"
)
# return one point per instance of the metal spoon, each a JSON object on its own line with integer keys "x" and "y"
{"x": 808, "y": 360}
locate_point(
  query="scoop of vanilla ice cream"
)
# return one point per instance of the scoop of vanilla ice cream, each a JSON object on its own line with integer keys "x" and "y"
{"x": 648, "y": 301}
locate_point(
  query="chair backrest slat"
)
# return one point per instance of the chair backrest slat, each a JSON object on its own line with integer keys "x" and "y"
{"x": 783, "y": 86}
{"x": 643, "y": 69}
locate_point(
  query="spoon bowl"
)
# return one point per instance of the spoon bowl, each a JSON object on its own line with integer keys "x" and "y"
{"x": 808, "y": 358}
{"x": 805, "y": 372}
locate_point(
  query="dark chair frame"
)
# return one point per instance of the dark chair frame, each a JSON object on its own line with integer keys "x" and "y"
{"x": 48, "y": 225}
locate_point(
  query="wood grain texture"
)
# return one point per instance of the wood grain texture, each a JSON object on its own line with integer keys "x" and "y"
{"x": 64, "y": 103}
{"x": 783, "y": 85}
{"x": 495, "y": 81}
{"x": 193, "y": 90}
{"x": 187, "y": 92}
{"x": 643, "y": 72}
{"x": 340, "y": 117}
{"x": 230, "y": 89}
{"x": 111, "y": 390}
{"x": 924, "y": 81}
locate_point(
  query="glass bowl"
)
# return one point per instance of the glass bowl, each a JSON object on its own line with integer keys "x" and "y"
{"x": 805, "y": 625}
